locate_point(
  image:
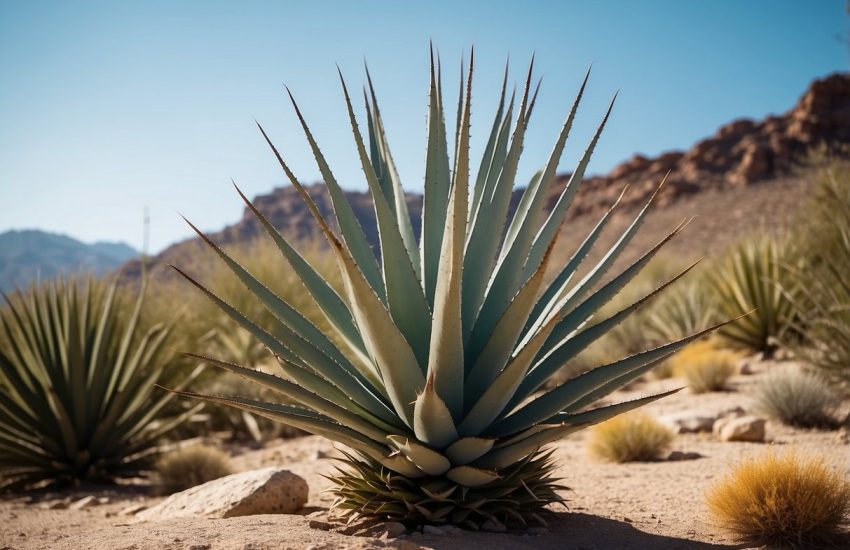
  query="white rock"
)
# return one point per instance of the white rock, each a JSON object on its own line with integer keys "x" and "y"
{"x": 267, "y": 491}
{"x": 742, "y": 428}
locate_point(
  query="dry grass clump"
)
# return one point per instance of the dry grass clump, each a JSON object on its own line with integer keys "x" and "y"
{"x": 190, "y": 466}
{"x": 705, "y": 367}
{"x": 629, "y": 437}
{"x": 797, "y": 397}
{"x": 782, "y": 501}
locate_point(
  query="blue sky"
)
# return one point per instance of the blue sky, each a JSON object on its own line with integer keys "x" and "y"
{"x": 110, "y": 107}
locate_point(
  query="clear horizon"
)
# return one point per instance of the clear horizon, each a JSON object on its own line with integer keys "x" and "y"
{"x": 109, "y": 108}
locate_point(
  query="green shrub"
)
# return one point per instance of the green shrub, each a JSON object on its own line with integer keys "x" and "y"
{"x": 823, "y": 243}
{"x": 687, "y": 308}
{"x": 752, "y": 278}
{"x": 629, "y": 437}
{"x": 796, "y": 397}
{"x": 636, "y": 333}
{"x": 77, "y": 382}
{"x": 190, "y": 466}
{"x": 788, "y": 501}
{"x": 242, "y": 425}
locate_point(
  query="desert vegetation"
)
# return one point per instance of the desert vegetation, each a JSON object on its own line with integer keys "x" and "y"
{"x": 630, "y": 437}
{"x": 453, "y": 367}
{"x": 189, "y": 466}
{"x": 783, "y": 501}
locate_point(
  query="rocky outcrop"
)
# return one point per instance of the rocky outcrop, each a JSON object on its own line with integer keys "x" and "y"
{"x": 741, "y": 153}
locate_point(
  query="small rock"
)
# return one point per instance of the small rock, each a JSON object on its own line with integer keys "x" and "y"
{"x": 320, "y": 454}
{"x": 747, "y": 366}
{"x": 450, "y": 529}
{"x": 494, "y": 526}
{"x": 732, "y": 412}
{"x": 266, "y": 491}
{"x": 744, "y": 428}
{"x": 54, "y": 505}
{"x": 628, "y": 520}
{"x": 394, "y": 529}
{"x": 689, "y": 422}
{"x": 432, "y": 530}
{"x": 133, "y": 509}
{"x": 681, "y": 455}
{"x": 319, "y": 524}
{"x": 83, "y": 503}
{"x": 842, "y": 436}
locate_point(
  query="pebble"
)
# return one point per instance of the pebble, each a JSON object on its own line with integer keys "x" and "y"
{"x": 133, "y": 509}
{"x": 394, "y": 529}
{"x": 494, "y": 526}
{"x": 85, "y": 502}
{"x": 680, "y": 455}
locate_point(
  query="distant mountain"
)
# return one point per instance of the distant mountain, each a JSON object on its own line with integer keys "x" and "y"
{"x": 30, "y": 254}
{"x": 744, "y": 178}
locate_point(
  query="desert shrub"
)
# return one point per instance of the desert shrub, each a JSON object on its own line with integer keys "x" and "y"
{"x": 782, "y": 501}
{"x": 77, "y": 384}
{"x": 796, "y": 397}
{"x": 823, "y": 243}
{"x": 634, "y": 334}
{"x": 686, "y": 308}
{"x": 241, "y": 424}
{"x": 189, "y": 466}
{"x": 204, "y": 329}
{"x": 704, "y": 366}
{"x": 629, "y": 437}
{"x": 752, "y": 277}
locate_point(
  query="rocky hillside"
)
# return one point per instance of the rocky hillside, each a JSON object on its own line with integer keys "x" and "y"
{"x": 30, "y": 254}
{"x": 745, "y": 162}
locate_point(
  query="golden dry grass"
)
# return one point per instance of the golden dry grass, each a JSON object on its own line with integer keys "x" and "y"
{"x": 704, "y": 366}
{"x": 788, "y": 500}
{"x": 189, "y": 466}
{"x": 629, "y": 437}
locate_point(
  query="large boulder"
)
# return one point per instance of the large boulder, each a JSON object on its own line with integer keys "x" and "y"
{"x": 267, "y": 491}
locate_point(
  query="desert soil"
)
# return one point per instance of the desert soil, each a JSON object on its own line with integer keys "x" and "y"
{"x": 653, "y": 505}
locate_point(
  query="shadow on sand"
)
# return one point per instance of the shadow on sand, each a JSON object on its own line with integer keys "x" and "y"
{"x": 572, "y": 531}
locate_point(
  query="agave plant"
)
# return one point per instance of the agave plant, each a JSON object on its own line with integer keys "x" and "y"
{"x": 77, "y": 385}
{"x": 753, "y": 277}
{"x": 446, "y": 340}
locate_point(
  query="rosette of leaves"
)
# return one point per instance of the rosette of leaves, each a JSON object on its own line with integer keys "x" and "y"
{"x": 447, "y": 339}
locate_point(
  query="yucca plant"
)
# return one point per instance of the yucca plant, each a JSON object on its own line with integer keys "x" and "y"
{"x": 824, "y": 295}
{"x": 752, "y": 277}
{"x": 446, "y": 340}
{"x": 685, "y": 309}
{"x": 77, "y": 375}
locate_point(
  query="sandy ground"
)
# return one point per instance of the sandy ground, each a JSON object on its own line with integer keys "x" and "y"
{"x": 657, "y": 505}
